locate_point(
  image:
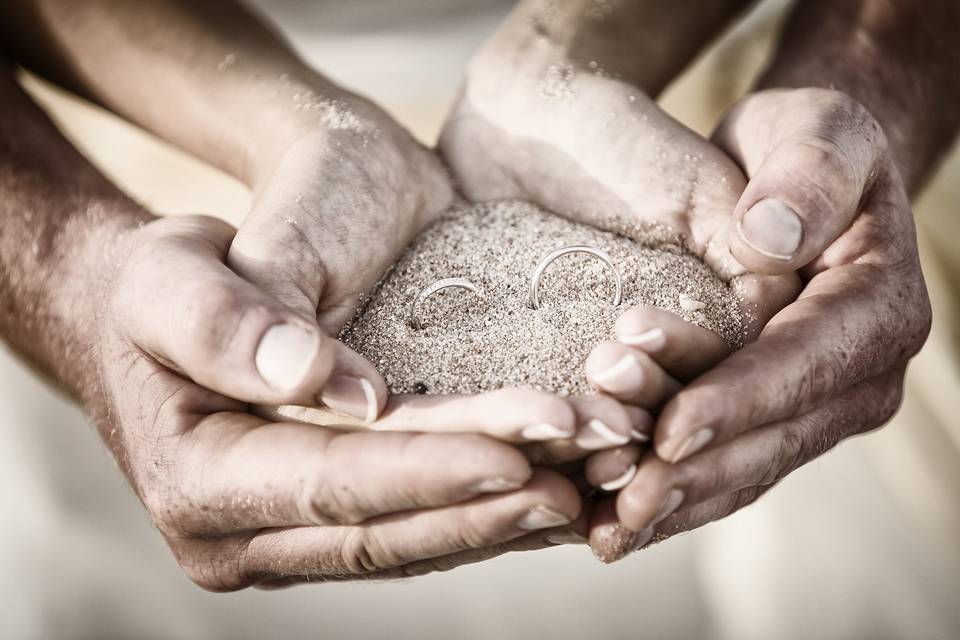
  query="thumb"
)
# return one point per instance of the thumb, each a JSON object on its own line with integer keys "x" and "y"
{"x": 809, "y": 154}
{"x": 185, "y": 307}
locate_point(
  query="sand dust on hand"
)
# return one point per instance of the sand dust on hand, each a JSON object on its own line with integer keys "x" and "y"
{"x": 469, "y": 343}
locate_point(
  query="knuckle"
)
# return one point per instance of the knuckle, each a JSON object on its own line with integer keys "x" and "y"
{"x": 328, "y": 503}
{"x": 361, "y": 552}
{"x": 215, "y": 317}
{"x": 470, "y": 533}
{"x": 791, "y": 451}
{"x": 889, "y": 403}
{"x": 212, "y": 567}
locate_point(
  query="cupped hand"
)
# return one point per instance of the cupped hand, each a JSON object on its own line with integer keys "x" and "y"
{"x": 185, "y": 345}
{"x": 824, "y": 196}
{"x": 569, "y": 137}
{"x": 334, "y": 206}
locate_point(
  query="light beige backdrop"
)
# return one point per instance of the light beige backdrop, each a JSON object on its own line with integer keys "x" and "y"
{"x": 861, "y": 544}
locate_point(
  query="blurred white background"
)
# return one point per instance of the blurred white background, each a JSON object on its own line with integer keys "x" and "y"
{"x": 861, "y": 544}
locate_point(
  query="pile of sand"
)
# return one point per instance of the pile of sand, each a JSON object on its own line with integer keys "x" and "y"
{"x": 470, "y": 343}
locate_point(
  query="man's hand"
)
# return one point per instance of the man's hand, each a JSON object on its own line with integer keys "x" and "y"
{"x": 825, "y": 193}
{"x": 827, "y": 367}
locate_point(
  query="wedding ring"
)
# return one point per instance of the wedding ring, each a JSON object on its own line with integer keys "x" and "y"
{"x": 548, "y": 260}
{"x": 429, "y": 290}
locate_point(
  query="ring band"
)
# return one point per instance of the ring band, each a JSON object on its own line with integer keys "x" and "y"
{"x": 429, "y": 290}
{"x": 548, "y": 260}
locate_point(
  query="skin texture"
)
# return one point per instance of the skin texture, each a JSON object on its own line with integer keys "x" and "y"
{"x": 141, "y": 308}
{"x": 177, "y": 352}
{"x": 827, "y": 366}
{"x": 186, "y": 447}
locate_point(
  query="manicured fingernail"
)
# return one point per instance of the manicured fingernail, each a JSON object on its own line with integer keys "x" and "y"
{"x": 284, "y": 355}
{"x": 566, "y": 537}
{"x": 598, "y": 435}
{"x": 542, "y": 517}
{"x": 497, "y": 485}
{"x": 673, "y": 501}
{"x": 772, "y": 228}
{"x": 639, "y": 436}
{"x": 353, "y": 396}
{"x": 652, "y": 340}
{"x": 692, "y": 444}
{"x": 624, "y": 372}
{"x": 620, "y": 482}
{"x": 545, "y": 431}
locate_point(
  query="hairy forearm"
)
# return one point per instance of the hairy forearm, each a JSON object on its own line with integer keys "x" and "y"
{"x": 644, "y": 42}
{"x": 206, "y": 75}
{"x": 59, "y": 219}
{"x": 899, "y": 58}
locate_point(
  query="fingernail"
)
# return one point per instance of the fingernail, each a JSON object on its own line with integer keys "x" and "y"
{"x": 598, "y": 435}
{"x": 772, "y": 228}
{"x": 673, "y": 501}
{"x": 352, "y": 396}
{"x": 639, "y": 436}
{"x": 643, "y": 537}
{"x": 692, "y": 444}
{"x": 652, "y": 340}
{"x": 284, "y": 356}
{"x": 542, "y": 517}
{"x": 620, "y": 482}
{"x": 566, "y": 537}
{"x": 619, "y": 372}
{"x": 544, "y": 431}
{"x": 497, "y": 485}
{"x": 617, "y": 542}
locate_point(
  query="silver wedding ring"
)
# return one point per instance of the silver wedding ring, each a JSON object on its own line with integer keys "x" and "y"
{"x": 446, "y": 283}
{"x": 548, "y": 260}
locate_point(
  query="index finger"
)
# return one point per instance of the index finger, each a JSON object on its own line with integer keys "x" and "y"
{"x": 235, "y": 472}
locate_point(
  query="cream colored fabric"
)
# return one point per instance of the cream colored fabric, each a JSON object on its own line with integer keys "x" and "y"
{"x": 860, "y": 544}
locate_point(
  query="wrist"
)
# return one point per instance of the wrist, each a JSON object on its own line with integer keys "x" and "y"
{"x": 77, "y": 275}
{"x": 897, "y": 59}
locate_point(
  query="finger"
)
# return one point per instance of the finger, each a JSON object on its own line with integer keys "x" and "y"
{"x": 629, "y": 375}
{"x": 844, "y": 329}
{"x": 810, "y": 156}
{"x": 704, "y": 513}
{"x": 762, "y": 297}
{"x": 257, "y": 474}
{"x": 546, "y": 502}
{"x": 613, "y": 469}
{"x": 602, "y": 423}
{"x": 513, "y": 415}
{"x": 681, "y": 348}
{"x": 183, "y": 306}
{"x": 355, "y": 388}
{"x": 759, "y": 457}
{"x": 529, "y": 542}
{"x": 610, "y": 540}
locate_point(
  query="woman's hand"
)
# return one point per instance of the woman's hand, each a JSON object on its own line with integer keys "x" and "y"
{"x": 539, "y": 120}
{"x": 828, "y": 366}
